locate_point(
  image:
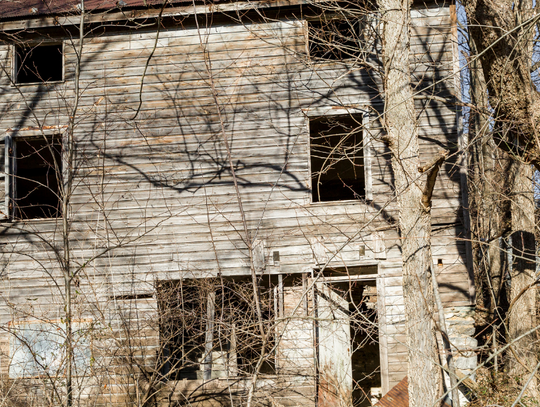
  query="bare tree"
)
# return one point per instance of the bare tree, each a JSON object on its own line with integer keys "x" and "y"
{"x": 502, "y": 48}
{"x": 414, "y": 201}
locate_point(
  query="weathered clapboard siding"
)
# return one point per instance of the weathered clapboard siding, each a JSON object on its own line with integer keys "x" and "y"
{"x": 162, "y": 195}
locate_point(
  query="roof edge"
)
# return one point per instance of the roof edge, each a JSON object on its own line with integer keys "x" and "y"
{"x": 139, "y": 13}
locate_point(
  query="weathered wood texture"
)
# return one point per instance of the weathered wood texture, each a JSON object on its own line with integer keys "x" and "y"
{"x": 155, "y": 198}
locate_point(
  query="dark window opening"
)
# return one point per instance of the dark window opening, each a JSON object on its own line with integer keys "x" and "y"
{"x": 209, "y": 329}
{"x": 37, "y": 177}
{"x": 182, "y": 329}
{"x": 334, "y": 39}
{"x": 39, "y": 63}
{"x": 337, "y": 162}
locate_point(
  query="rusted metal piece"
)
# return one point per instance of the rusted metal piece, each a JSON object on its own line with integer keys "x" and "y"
{"x": 398, "y": 396}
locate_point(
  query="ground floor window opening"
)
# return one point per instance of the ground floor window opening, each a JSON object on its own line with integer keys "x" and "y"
{"x": 210, "y": 328}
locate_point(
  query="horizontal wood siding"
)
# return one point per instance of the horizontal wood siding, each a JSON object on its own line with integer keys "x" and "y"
{"x": 155, "y": 197}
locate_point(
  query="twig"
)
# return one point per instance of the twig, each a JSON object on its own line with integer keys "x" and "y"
{"x": 149, "y": 59}
{"x": 522, "y": 392}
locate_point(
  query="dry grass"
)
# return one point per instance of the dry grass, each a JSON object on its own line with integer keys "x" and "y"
{"x": 499, "y": 389}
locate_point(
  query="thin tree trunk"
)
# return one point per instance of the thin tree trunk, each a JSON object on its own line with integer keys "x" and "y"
{"x": 522, "y": 312}
{"x": 488, "y": 189}
{"x": 414, "y": 204}
{"x": 67, "y": 189}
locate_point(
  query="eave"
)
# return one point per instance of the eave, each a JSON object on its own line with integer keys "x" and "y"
{"x": 144, "y": 14}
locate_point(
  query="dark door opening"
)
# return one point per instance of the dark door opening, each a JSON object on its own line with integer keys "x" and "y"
{"x": 348, "y": 344}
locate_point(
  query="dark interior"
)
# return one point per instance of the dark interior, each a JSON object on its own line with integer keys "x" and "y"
{"x": 366, "y": 358}
{"x": 334, "y": 39}
{"x": 186, "y": 323}
{"x": 337, "y": 162}
{"x": 37, "y": 178}
{"x": 40, "y": 63}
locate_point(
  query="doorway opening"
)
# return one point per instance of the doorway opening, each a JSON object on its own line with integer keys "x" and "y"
{"x": 349, "y": 361}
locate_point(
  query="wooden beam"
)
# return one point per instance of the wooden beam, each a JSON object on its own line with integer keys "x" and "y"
{"x": 108, "y": 16}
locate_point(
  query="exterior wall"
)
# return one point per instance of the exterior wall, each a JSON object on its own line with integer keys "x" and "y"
{"x": 155, "y": 198}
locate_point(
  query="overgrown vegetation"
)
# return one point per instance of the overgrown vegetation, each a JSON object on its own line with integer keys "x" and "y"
{"x": 197, "y": 331}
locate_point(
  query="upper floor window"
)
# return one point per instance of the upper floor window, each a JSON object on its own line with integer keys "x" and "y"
{"x": 37, "y": 177}
{"x": 38, "y": 63}
{"x": 32, "y": 177}
{"x": 347, "y": 32}
{"x": 337, "y": 158}
{"x": 334, "y": 39}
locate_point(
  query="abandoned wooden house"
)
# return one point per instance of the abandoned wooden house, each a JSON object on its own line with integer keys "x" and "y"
{"x": 201, "y": 190}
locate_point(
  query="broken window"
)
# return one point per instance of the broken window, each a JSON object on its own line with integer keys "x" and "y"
{"x": 335, "y": 39}
{"x": 36, "y": 176}
{"x": 337, "y": 160}
{"x": 210, "y": 328}
{"x": 347, "y": 32}
{"x": 38, "y": 63}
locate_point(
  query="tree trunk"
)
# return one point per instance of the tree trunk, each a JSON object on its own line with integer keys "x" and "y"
{"x": 503, "y": 36}
{"x": 522, "y": 312}
{"x": 489, "y": 187}
{"x": 414, "y": 209}
{"x": 503, "y": 32}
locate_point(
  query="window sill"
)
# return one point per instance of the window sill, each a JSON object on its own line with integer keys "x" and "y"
{"x": 183, "y": 384}
{"x": 47, "y": 83}
{"x": 362, "y": 201}
{"x": 32, "y": 220}
{"x": 315, "y": 60}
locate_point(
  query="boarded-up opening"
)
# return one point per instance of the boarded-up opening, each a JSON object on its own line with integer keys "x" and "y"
{"x": 37, "y": 348}
{"x": 38, "y": 63}
{"x": 337, "y": 162}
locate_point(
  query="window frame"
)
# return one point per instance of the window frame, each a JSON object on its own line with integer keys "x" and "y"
{"x": 367, "y": 149}
{"x": 35, "y": 44}
{"x": 10, "y": 168}
{"x": 358, "y": 273}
